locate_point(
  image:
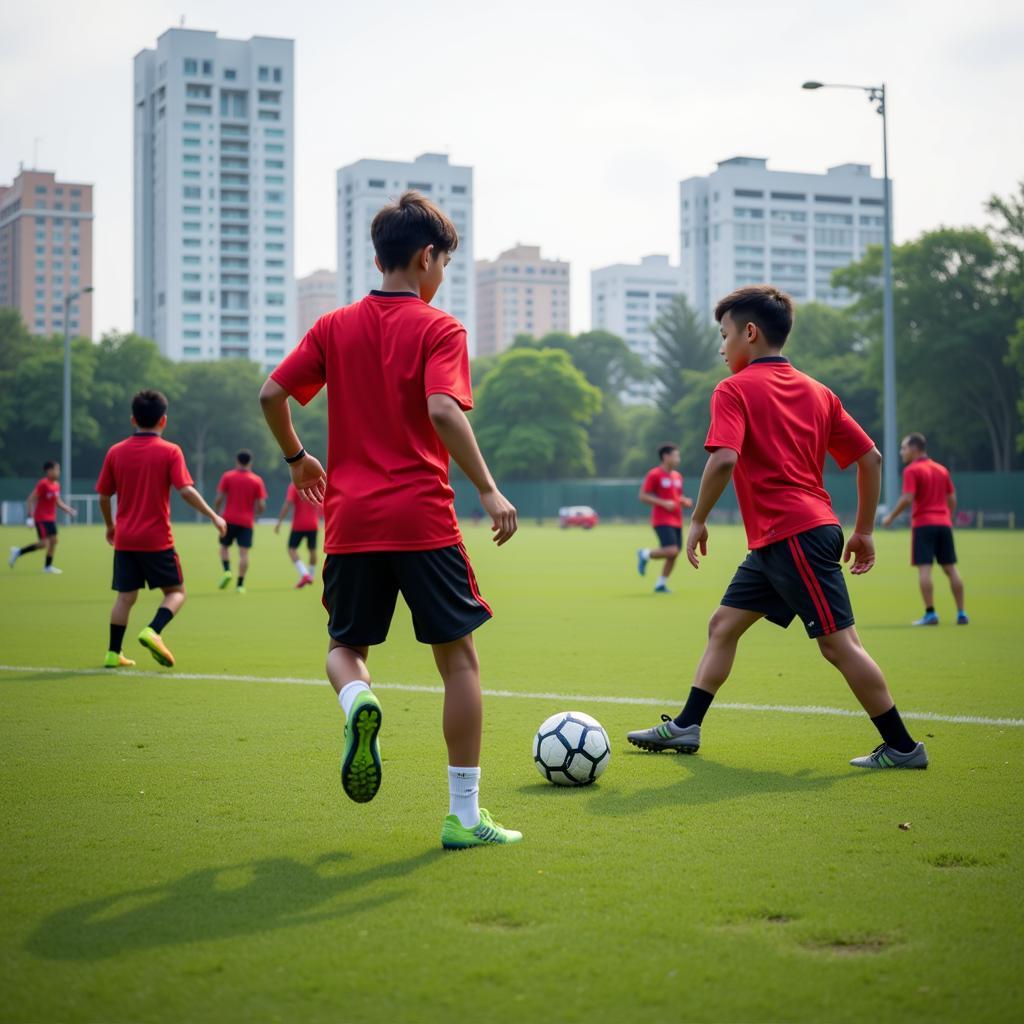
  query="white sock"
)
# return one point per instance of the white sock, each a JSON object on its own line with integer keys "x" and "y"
{"x": 348, "y": 694}
{"x": 662, "y": 582}
{"x": 645, "y": 552}
{"x": 302, "y": 570}
{"x": 464, "y": 795}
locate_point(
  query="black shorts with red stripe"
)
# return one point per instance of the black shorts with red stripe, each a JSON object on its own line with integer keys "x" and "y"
{"x": 362, "y": 588}
{"x": 799, "y": 576}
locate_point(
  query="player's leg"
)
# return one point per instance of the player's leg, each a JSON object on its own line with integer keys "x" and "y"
{"x": 244, "y": 544}
{"x": 294, "y": 540}
{"x": 225, "y": 558}
{"x": 671, "y": 553}
{"x": 119, "y": 614}
{"x": 956, "y": 585}
{"x": 163, "y": 570}
{"x": 923, "y": 540}
{"x": 945, "y": 555}
{"x": 51, "y": 548}
{"x": 16, "y": 552}
{"x": 668, "y": 547}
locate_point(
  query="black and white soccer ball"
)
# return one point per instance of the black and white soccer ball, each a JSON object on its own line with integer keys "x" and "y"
{"x": 571, "y": 749}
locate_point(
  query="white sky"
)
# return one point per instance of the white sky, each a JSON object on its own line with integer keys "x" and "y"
{"x": 580, "y": 117}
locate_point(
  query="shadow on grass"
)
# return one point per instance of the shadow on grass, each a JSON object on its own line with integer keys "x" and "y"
{"x": 277, "y": 892}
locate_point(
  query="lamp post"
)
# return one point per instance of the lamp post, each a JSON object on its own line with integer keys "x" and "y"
{"x": 890, "y": 446}
{"x": 65, "y": 457}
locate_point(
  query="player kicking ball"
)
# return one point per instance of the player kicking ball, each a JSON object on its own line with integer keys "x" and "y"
{"x": 141, "y": 470}
{"x": 398, "y": 384}
{"x": 771, "y": 427}
{"x": 41, "y": 506}
{"x": 305, "y": 525}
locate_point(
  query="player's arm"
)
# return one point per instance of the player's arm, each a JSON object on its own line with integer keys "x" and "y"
{"x": 192, "y": 497}
{"x": 30, "y": 503}
{"x": 281, "y": 515}
{"x": 951, "y": 502}
{"x": 457, "y": 436}
{"x": 713, "y": 482}
{"x": 218, "y": 501}
{"x": 654, "y": 501}
{"x": 906, "y": 500}
{"x": 107, "y": 512}
{"x": 307, "y": 473}
{"x": 65, "y": 507}
{"x": 861, "y": 545}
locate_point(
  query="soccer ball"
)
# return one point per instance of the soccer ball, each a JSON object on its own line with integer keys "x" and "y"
{"x": 571, "y": 749}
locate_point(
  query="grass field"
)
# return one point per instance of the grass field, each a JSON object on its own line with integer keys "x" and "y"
{"x": 176, "y": 845}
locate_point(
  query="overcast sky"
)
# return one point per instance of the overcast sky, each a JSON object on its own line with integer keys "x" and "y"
{"x": 580, "y": 117}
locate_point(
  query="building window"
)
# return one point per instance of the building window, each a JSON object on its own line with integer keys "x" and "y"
{"x": 748, "y": 212}
{"x": 871, "y": 202}
{"x": 277, "y": 74}
{"x": 795, "y": 197}
{"x": 192, "y": 296}
{"x": 746, "y": 193}
{"x": 230, "y": 74}
{"x": 264, "y": 74}
{"x": 274, "y": 197}
{"x": 207, "y": 67}
{"x": 834, "y": 199}
{"x": 269, "y": 115}
{"x": 191, "y": 66}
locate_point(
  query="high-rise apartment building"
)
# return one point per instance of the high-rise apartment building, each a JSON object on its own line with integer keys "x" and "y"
{"x": 46, "y": 251}
{"x": 519, "y": 293}
{"x": 365, "y": 186}
{"x": 316, "y": 294}
{"x": 214, "y": 187}
{"x": 744, "y": 224}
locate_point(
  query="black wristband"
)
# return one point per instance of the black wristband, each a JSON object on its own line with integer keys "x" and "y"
{"x": 300, "y": 454}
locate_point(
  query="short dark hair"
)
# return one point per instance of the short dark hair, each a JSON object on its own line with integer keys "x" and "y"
{"x": 244, "y": 456}
{"x": 764, "y": 305}
{"x": 917, "y": 441}
{"x": 664, "y": 449}
{"x": 405, "y": 226}
{"x": 48, "y": 465}
{"x": 148, "y": 408}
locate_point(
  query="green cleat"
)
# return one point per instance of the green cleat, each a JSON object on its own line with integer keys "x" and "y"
{"x": 116, "y": 659}
{"x": 455, "y": 835}
{"x": 151, "y": 640}
{"x": 360, "y": 760}
{"x": 225, "y": 580}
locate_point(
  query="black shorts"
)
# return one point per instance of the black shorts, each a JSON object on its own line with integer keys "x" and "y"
{"x": 800, "y": 575}
{"x": 135, "y": 569}
{"x": 46, "y": 528}
{"x": 932, "y": 544}
{"x": 243, "y": 534}
{"x": 361, "y": 589}
{"x": 670, "y": 536}
{"x": 296, "y": 537}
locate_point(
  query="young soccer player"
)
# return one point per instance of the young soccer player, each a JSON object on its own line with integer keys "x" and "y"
{"x": 42, "y": 505}
{"x": 771, "y": 427}
{"x": 141, "y": 470}
{"x": 242, "y": 495}
{"x": 662, "y": 489}
{"x": 397, "y": 376}
{"x": 928, "y": 487}
{"x": 305, "y": 524}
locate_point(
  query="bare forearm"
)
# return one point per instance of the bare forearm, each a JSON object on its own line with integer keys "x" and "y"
{"x": 278, "y": 414}
{"x": 717, "y": 474}
{"x": 65, "y": 507}
{"x": 869, "y": 486}
{"x": 106, "y": 512}
{"x": 192, "y": 497}
{"x": 457, "y": 436}
{"x": 649, "y": 499}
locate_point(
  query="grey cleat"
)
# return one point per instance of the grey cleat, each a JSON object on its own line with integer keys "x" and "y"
{"x": 15, "y": 551}
{"x": 883, "y": 756}
{"x": 667, "y": 736}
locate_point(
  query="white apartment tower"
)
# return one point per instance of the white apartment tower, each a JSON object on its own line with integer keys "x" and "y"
{"x": 744, "y": 224}
{"x": 214, "y": 196}
{"x": 365, "y": 186}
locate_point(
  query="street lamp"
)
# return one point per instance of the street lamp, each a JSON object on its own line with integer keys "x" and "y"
{"x": 65, "y": 457}
{"x": 890, "y": 449}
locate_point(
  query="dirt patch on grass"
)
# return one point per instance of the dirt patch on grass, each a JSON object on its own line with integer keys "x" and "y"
{"x": 955, "y": 860}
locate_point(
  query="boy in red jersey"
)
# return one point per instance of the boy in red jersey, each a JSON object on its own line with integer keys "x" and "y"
{"x": 928, "y": 486}
{"x": 305, "y": 524}
{"x": 42, "y": 505}
{"x": 772, "y": 426}
{"x": 141, "y": 471}
{"x": 242, "y": 495}
{"x": 397, "y": 376}
{"x": 662, "y": 489}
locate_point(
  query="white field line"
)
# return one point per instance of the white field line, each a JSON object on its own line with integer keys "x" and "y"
{"x": 566, "y": 698}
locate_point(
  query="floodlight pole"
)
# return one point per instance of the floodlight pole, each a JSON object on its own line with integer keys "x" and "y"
{"x": 65, "y": 457}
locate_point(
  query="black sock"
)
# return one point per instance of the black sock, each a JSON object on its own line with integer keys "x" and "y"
{"x": 162, "y": 617}
{"x": 27, "y": 548}
{"x": 241, "y": 581}
{"x": 930, "y": 610}
{"x": 49, "y": 560}
{"x": 697, "y": 705}
{"x": 116, "y": 637}
{"x": 892, "y": 730}
{"x": 226, "y": 564}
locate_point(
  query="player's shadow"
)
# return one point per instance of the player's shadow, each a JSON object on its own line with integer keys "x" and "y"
{"x": 223, "y": 902}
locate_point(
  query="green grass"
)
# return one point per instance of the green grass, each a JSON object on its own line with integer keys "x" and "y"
{"x": 181, "y": 850}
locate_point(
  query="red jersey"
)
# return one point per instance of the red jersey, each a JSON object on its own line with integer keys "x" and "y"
{"x": 243, "y": 488}
{"x": 930, "y": 484}
{"x": 782, "y": 423}
{"x": 141, "y": 470}
{"x": 305, "y": 516}
{"x": 664, "y": 483}
{"x": 47, "y": 492}
{"x": 387, "y": 470}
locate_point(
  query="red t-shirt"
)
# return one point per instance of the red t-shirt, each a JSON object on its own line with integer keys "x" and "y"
{"x": 782, "y": 423}
{"x": 304, "y": 515}
{"x": 387, "y": 470}
{"x": 141, "y": 470}
{"x": 665, "y": 484}
{"x": 930, "y": 484}
{"x": 47, "y": 492}
{"x": 243, "y": 488}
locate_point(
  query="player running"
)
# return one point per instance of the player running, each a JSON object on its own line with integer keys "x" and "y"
{"x": 305, "y": 524}
{"x": 662, "y": 489}
{"x": 242, "y": 495}
{"x": 771, "y": 427}
{"x": 42, "y": 505}
{"x": 141, "y": 470}
{"x": 928, "y": 487}
{"x": 397, "y": 376}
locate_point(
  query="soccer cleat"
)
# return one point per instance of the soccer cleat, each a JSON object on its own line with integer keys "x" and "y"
{"x": 116, "y": 659}
{"x": 928, "y": 619}
{"x": 153, "y": 642}
{"x": 455, "y": 835}
{"x": 52, "y": 570}
{"x": 642, "y": 558}
{"x": 225, "y": 580}
{"x": 961, "y": 619}
{"x": 239, "y": 590}
{"x": 667, "y": 736}
{"x": 305, "y": 581}
{"x": 883, "y": 756}
{"x": 360, "y": 759}
{"x": 662, "y": 588}
{"x": 15, "y": 551}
